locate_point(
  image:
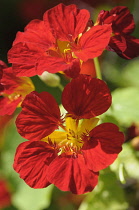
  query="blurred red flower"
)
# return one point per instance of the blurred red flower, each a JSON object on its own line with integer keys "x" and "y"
{"x": 5, "y": 196}
{"x": 61, "y": 41}
{"x": 71, "y": 157}
{"x": 30, "y": 9}
{"x": 123, "y": 25}
{"x": 12, "y": 89}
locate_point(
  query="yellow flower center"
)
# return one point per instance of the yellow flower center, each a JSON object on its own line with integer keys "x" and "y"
{"x": 63, "y": 46}
{"x": 71, "y": 138}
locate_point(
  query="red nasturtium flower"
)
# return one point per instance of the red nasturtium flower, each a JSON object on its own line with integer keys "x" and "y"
{"x": 123, "y": 25}
{"x": 72, "y": 156}
{"x": 12, "y": 89}
{"x": 61, "y": 41}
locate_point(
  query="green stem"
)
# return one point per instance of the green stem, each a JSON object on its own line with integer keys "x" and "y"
{"x": 122, "y": 173}
{"x": 97, "y": 67}
{"x": 61, "y": 87}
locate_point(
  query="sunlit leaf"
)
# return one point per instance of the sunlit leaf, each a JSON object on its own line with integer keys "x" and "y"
{"x": 108, "y": 194}
{"x": 27, "y": 198}
{"x": 129, "y": 159}
{"x": 125, "y": 105}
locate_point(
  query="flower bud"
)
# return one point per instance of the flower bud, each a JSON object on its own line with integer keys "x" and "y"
{"x": 52, "y": 80}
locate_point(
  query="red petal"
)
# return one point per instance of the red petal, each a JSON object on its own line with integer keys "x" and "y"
{"x": 103, "y": 147}
{"x": 104, "y": 18}
{"x": 24, "y": 56}
{"x": 39, "y": 117}
{"x": 29, "y": 46}
{"x": 7, "y": 106}
{"x": 86, "y": 97}
{"x": 1, "y": 89}
{"x": 24, "y": 70}
{"x": 120, "y": 17}
{"x": 53, "y": 64}
{"x": 37, "y": 33}
{"x": 29, "y": 60}
{"x": 70, "y": 173}
{"x": 93, "y": 42}
{"x": 123, "y": 22}
{"x": 132, "y": 48}
{"x": 31, "y": 162}
{"x": 74, "y": 70}
{"x": 10, "y": 81}
{"x": 117, "y": 44}
{"x": 2, "y": 66}
{"x": 66, "y": 22}
{"x": 88, "y": 68}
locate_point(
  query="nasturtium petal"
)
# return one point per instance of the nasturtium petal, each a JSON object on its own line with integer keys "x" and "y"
{"x": 16, "y": 85}
{"x": 39, "y": 117}
{"x": 88, "y": 68}
{"x": 123, "y": 20}
{"x": 37, "y": 33}
{"x": 120, "y": 17}
{"x": 31, "y": 161}
{"x": 2, "y": 67}
{"x": 123, "y": 25}
{"x": 66, "y": 22}
{"x": 86, "y": 97}
{"x": 74, "y": 69}
{"x": 53, "y": 64}
{"x": 70, "y": 173}
{"x": 24, "y": 56}
{"x": 117, "y": 43}
{"x": 104, "y": 17}
{"x": 9, "y": 80}
{"x": 104, "y": 144}
{"x": 22, "y": 70}
{"x": 132, "y": 48}
{"x": 93, "y": 42}
{"x": 7, "y": 106}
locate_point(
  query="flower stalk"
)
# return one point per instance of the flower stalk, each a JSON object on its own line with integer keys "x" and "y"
{"x": 97, "y": 67}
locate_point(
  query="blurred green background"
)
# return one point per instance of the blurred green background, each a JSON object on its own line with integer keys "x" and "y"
{"x": 118, "y": 187}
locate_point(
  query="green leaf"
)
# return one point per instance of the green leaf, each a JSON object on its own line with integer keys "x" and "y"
{"x": 125, "y": 105}
{"x": 130, "y": 161}
{"x": 10, "y": 208}
{"x": 130, "y": 73}
{"x": 107, "y": 195}
{"x": 122, "y": 75}
{"x": 40, "y": 86}
{"x": 27, "y": 198}
{"x": 12, "y": 140}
